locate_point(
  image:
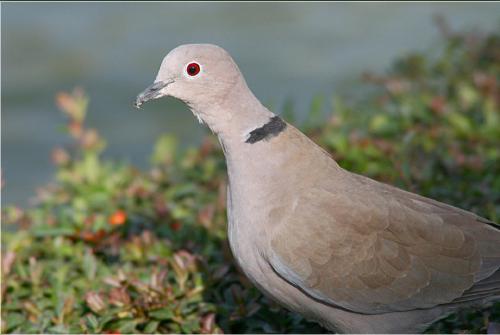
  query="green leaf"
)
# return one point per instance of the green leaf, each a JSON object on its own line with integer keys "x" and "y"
{"x": 467, "y": 94}
{"x": 162, "y": 314}
{"x": 338, "y": 142}
{"x": 91, "y": 166}
{"x": 164, "y": 150}
{"x": 59, "y": 329}
{"x": 89, "y": 265}
{"x": 382, "y": 124}
{"x": 492, "y": 117}
{"x": 44, "y": 230}
{"x": 190, "y": 326}
{"x": 151, "y": 327}
{"x": 127, "y": 326}
{"x": 13, "y": 320}
{"x": 460, "y": 123}
{"x": 92, "y": 322}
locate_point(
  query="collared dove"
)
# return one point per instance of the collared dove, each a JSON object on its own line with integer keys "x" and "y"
{"x": 353, "y": 254}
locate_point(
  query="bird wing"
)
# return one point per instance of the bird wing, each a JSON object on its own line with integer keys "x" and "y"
{"x": 372, "y": 248}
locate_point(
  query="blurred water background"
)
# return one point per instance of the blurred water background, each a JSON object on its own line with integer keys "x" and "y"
{"x": 113, "y": 50}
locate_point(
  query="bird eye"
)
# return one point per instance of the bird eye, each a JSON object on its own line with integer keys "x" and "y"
{"x": 193, "y": 69}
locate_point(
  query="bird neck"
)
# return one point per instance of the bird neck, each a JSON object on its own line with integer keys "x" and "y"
{"x": 234, "y": 117}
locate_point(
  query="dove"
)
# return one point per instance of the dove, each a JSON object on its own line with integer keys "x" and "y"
{"x": 351, "y": 253}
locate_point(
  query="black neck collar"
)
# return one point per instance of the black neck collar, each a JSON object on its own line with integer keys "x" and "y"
{"x": 272, "y": 128}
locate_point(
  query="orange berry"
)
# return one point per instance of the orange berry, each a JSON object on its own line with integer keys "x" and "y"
{"x": 89, "y": 236}
{"x": 118, "y": 218}
{"x": 175, "y": 226}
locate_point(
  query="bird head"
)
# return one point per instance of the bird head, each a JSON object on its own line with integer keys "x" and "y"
{"x": 198, "y": 74}
{"x": 207, "y": 79}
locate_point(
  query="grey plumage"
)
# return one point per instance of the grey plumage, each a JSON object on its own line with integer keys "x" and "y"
{"x": 354, "y": 254}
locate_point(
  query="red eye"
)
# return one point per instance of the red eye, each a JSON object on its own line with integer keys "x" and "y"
{"x": 193, "y": 69}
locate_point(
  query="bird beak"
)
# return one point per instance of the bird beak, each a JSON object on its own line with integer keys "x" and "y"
{"x": 150, "y": 93}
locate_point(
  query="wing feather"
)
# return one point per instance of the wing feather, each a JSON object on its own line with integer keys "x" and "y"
{"x": 372, "y": 248}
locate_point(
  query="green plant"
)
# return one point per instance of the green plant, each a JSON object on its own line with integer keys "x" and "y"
{"x": 109, "y": 248}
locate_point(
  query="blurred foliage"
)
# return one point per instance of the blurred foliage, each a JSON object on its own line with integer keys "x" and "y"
{"x": 111, "y": 249}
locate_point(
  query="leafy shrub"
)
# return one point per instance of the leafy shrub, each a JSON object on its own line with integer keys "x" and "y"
{"x": 111, "y": 249}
